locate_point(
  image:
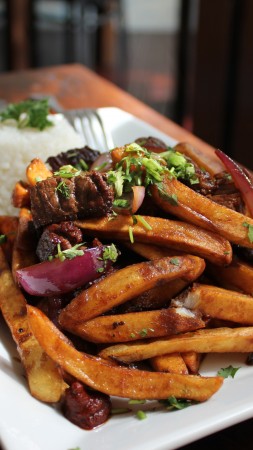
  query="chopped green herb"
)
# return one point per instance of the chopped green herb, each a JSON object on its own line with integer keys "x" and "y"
{"x": 102, "y": 166}
{"x": 143, "y": 332}
{"x": 131, "y": 235}
{"x": 67, "y": 172}
{"x": 171, "y": 198}
{"x": 110, "y": 253}
{"x": 100, "y": 270}
{"x": 250, "y": 231}
{"x": 83, "y": 164}
{"x": 29, "y": 113}
{"x": 70, "y": 253}
{"x": 3, "y": 238}
{"x": 38, "y": 179}
{"x": 121, "y": 203}
{"x": 144, "y": 222}
{"x": 141, "y": 415}
{"x": 133, "y": 401}
{"x": 175, "y": 261}
{"x": 64, "y": 189}
{"x": 174, "y": 403}
{"x": 229, "y": 371}
{"x": 132, "y": 335}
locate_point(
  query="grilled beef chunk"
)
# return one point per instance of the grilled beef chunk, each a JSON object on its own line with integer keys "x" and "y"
{"x": 77, "y": 157}
{"x": 86, "y": 195}
{"x": 86, "y": 409}
{"x": 65, "y": 233}
{"x": 152, "y": 144}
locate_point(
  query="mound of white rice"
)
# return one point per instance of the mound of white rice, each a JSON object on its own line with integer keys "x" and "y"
{"x": 19, "y": 146}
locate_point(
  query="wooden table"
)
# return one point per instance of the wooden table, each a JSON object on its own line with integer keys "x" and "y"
{"x": 74, "y": 86}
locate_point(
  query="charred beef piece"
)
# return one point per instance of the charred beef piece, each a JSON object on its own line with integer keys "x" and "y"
{"x": 86, "y": 195}
{"x": 65, "y": 233}
{"x": 86, "y": 409}
{"x": 152, "y": 144}
{"x": 74, "y": 157}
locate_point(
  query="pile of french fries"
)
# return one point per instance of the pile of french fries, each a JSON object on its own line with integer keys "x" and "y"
{"x": 175, "y": 317}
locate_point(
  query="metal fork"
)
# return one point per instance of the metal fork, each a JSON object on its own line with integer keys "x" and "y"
{"x": 88, "y": 123}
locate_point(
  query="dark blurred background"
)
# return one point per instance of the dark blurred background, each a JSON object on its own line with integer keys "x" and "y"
{"x": 191, "y": 60}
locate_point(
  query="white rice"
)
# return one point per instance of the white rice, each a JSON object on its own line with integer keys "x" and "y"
{"x": 19, "y": 146}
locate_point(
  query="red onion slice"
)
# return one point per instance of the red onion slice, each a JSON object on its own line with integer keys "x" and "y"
{"x": 59, "y": 277}
{"x": 242, "y": 181}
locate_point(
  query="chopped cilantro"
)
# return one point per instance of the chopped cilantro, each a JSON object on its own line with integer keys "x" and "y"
{"x": 250, "y": 231}
{"x": 133, "y": 401}
{"x": 67, "y": 172}
{"x": 143, "y": 222}
{"x": 70, "y": 253}
{"x": 175, "y": 261}
{"x": 132, "y": 335}
{"x": 100, "y": 270}
{"x": 64, "y": 189}
{"x": 229, "y": 371}
{"x": 110, "y": 253}
{"x": 141, "y": 415}
{"x": 3, "y": 238}
{"x": 121, "y": 203}
{"x": 174, "y": 403}
{"x": 171, "y": 198}
{"x": 143, "y": 332}
{"x": 131, "y": 235}
{"x": 29, "y": 113}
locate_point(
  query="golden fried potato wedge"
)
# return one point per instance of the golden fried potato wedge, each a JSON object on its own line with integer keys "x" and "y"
{"x": 218, "y": 303}
{"x": 21, "y": 195}
{"x": 115, "y": 380}
{"x": 166, "y": 233}
{"x": 217, "y": 340}
{"x": 152, "y": 251}
{"x": 159, "y": 296}
{"x": 203, "y": 212}
{"x": 43, "y": 375}
{"x": 133, "y": 326}
{"x": 37, "y": 171}
{"x": 122, "y": 285}
{"x": 192, "y": 361}
{"x": 24, "y": 246}
{"x": 237, "y": 276}
{"x": 173, "y": 363}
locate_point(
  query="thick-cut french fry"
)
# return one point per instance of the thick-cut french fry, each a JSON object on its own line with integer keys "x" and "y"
{"x": 201, "y": 211}
{"x": 123, "y": 285}
{"x": 44, "y": 379}
{"x": 192, "y": 361}
{"x": 163, "y": 232}
{"x": 133, "y": 326}
{"x": 24, "y": 254}
{"x": 218, "y": 303}
{"x": 237, "y": 276}
{"x": 150, "y": 251}
{"x": 37, "y": 171}
{"x": 207, "y": 160}
{"x": 173, "y": 363}
{"x": 20, "y": 195}
{"x": 160, "y": 296}
{"x": 218, "y": 340}
{"x": 115, "y": 380}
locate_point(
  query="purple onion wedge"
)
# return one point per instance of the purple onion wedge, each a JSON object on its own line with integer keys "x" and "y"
{"x": 59, "y": 277}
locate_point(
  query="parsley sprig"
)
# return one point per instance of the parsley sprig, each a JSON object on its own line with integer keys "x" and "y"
{"x": 29, "y": 113}
{"x": 69, "y": 253}
{"x": 229, "y": 371}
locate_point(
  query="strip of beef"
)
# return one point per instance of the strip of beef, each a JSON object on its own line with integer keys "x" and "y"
{"x": 65, "y": 233}
{"x": 86, "y": 195}
{"x": 77, "y": 157}
{"x": 86, "y": 409}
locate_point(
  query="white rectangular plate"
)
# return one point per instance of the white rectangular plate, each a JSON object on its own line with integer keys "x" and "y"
{"x": 27, "y": 424}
